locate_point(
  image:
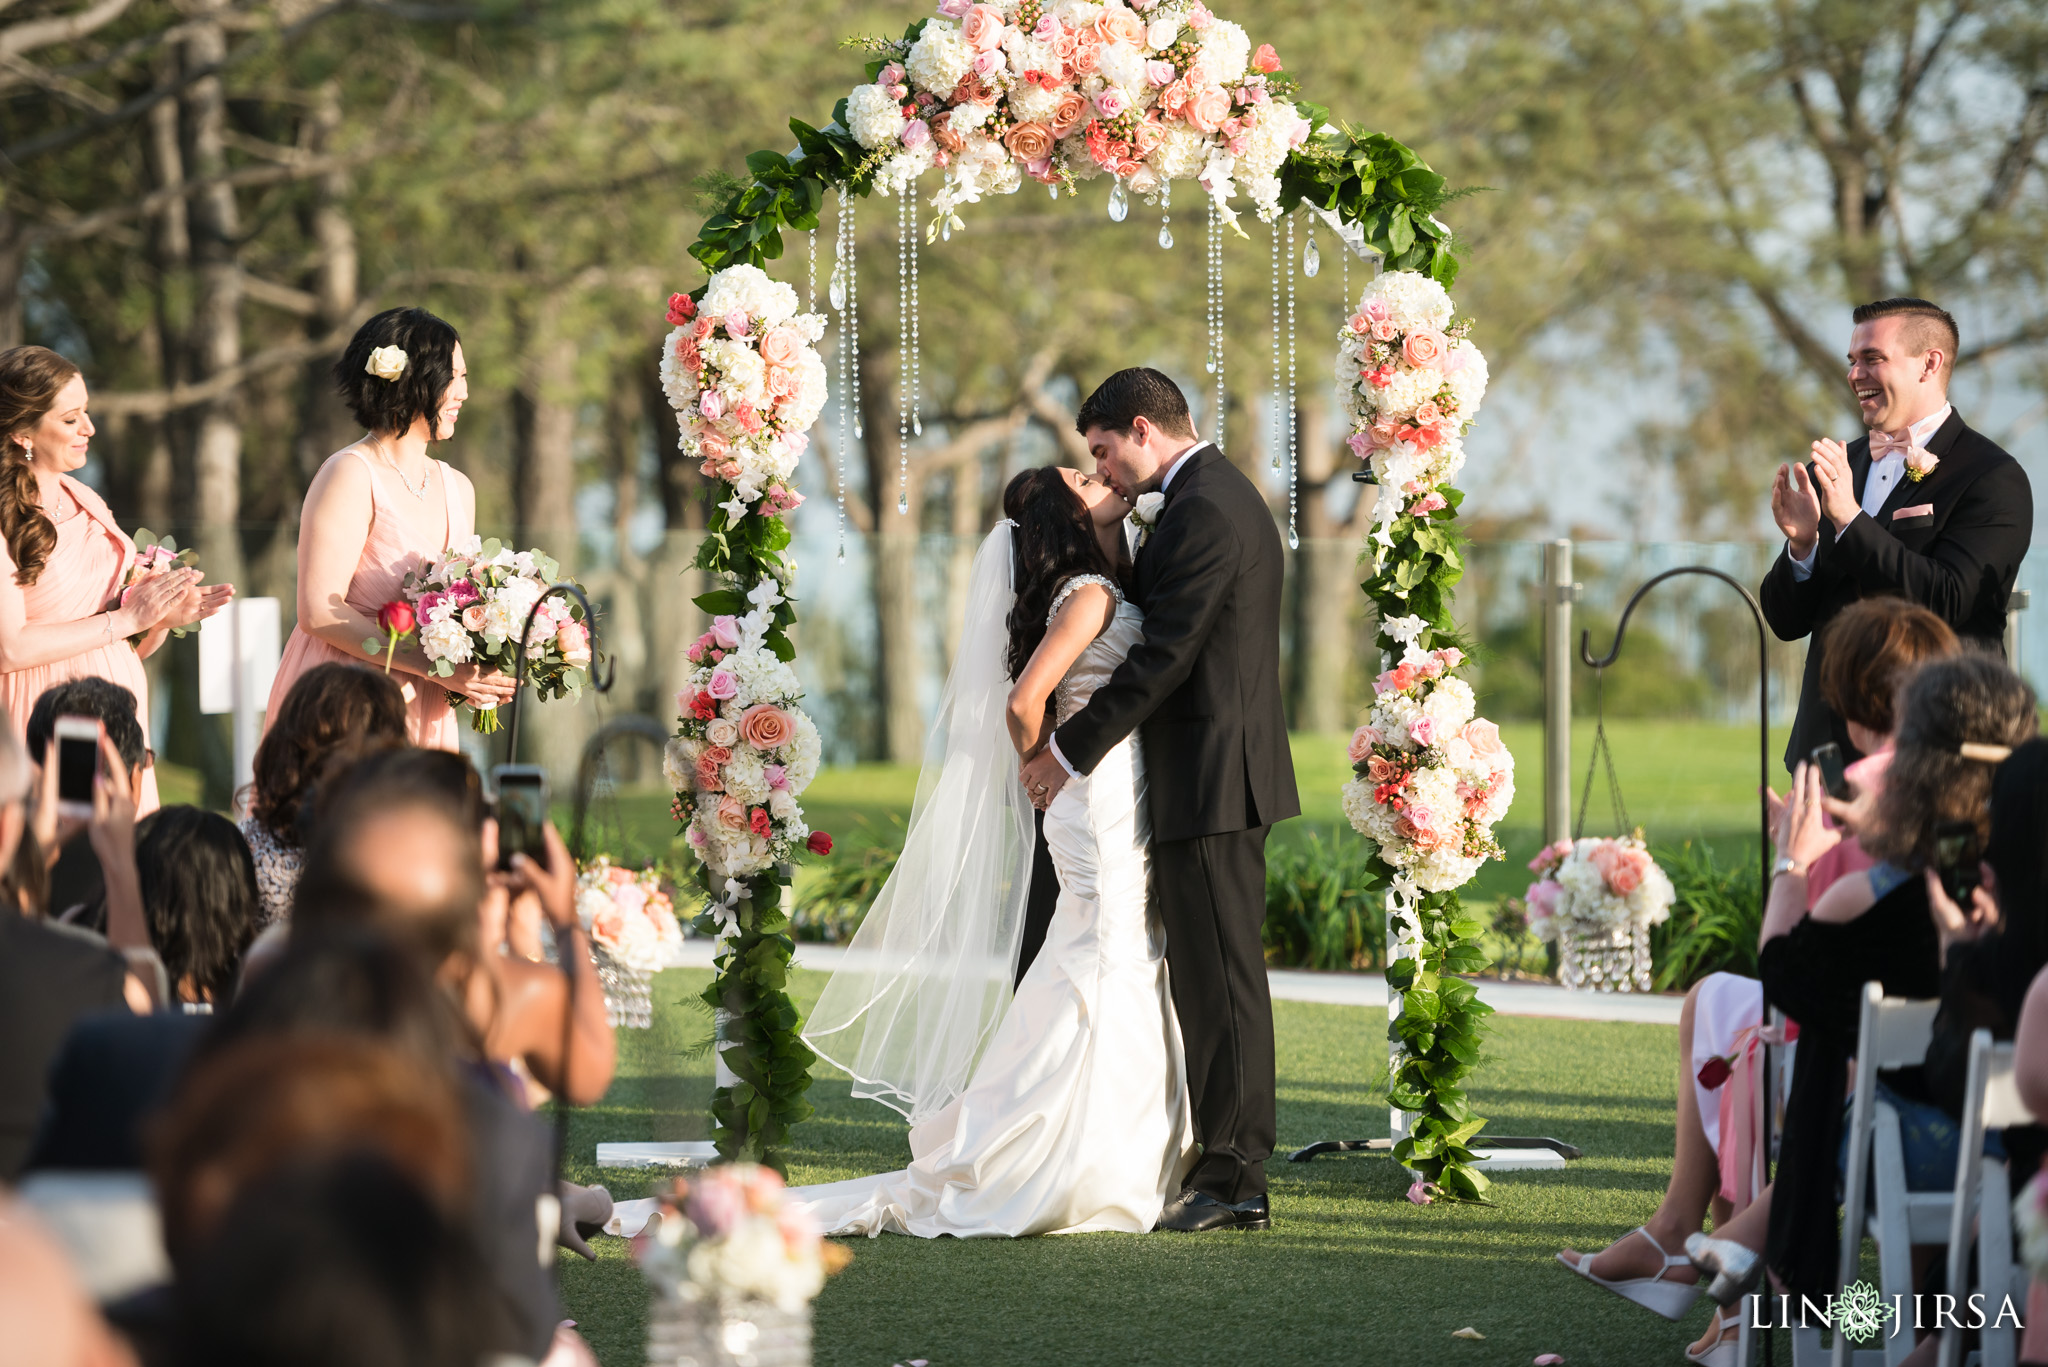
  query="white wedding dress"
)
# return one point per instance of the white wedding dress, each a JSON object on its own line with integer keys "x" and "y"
{"x": 1076, "y": 1117}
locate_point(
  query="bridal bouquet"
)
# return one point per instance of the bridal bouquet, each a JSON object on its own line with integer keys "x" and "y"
{"x": 743, "y": 752}
{"x": 471, "y": 605}
{"x": 731, "y": 1233}
{"x": 629, "y": 914}
{"x": 154, "y": 556}
{"x": 1607, "y": 888}
{"x": 1432, "y": 779}
{"x": 742, "y": 370}
{"x": 1066, "y": 90}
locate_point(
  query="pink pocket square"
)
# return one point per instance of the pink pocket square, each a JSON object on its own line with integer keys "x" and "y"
{"x": 1917, "y": 510}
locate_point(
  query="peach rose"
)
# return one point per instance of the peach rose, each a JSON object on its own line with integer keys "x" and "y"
{"x": 1384, "y": 330}
{"x": 1068, "y": 113}
{"x": 1424, "y": 348}
{"x": 1265, "y": 59}
{"x": 942, "y": 129}
{"x": 1120, "y": 26}
{"x": 1380, "y": 770}
{"x": 973, "y": 90}
{"x": 779, "y": 381}
{"x": 1362, "y": 742}
{"x": 1208, "y": 109}
{"x": 732, "y": 814}
{"x": 1173, "y": 99}
{"x": 1087, "y": 58}
{"x": 1483, "y": 736}
{"x": 983, "y": 28}
{"x": 473, "y": 617}
{"x": 711, "y": 446}
{"x": 781, "y": 346}
{"x": 1029, "y": 141}
{"x": 766, "y": 726}
{"x": 688, "y": 352}
{"x": 707, "y": 775}
{"x": 1150, "y": 134}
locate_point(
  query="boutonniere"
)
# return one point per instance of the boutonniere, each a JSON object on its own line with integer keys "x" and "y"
{"x": 1145, "y": 514}
{"x": 1920, "y": 463}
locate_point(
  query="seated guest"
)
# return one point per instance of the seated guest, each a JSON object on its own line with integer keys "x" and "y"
{"x": 50, "y": 976}
{"x": 48, "y": 1318}
{"x": 76, "y": 885}
{"x": 199, "y": 892}
{"x": 331, "y": 708}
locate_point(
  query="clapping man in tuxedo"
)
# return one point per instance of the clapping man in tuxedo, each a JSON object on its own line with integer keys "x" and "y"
{"x": 1924, "y": 508}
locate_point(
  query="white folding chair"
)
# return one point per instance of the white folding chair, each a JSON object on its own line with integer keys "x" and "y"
{"x": 1894, "y": 1033}
{"x": 1991, "y": 1101}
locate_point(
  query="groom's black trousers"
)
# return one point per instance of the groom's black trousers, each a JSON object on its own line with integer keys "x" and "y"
{"x": 1211, "y": 893}
{"x": 1039, "y": 904}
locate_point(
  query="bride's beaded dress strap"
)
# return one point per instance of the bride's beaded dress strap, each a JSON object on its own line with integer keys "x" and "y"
{"x": 1059, "y": 600}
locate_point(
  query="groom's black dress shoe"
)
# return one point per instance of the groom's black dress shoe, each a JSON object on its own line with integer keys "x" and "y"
{"x": 1194, "y": 1212}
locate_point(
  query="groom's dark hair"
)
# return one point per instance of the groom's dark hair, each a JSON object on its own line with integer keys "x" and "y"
{"x": 1930, "y": 326}
{"x": 1140, "y": 392}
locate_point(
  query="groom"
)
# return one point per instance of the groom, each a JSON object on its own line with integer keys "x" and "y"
{"x": 1203, "y": 690}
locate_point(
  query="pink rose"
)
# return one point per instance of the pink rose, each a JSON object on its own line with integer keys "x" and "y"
{"x": 1428, "y": 503}
{"x": 983, "y": 28}
{"x": 1377, "y": 309}
{"x": 953, "y": 9}
{"x": 732, "y": 814}
{"x": 1359, "y": 324}
{"x": 1362, "y": 742}
{"x": 1265, "y": 59}
{"x": 777, "y": 775}
{"x": 723, "y": 685}
{"x": 1450, "y": 656}
{"x": 1160, "y": 73}
{"x": 1422, "y": 730}
{"x": 711, "y": 404}
{"x": 473, "y": 618}
{"x": 1198, "y": 17}
{"x": 1383, "y": 330}
{"x": 1381, "y": 770}
{"x": 1483, "y": 736}
{"x": 1542, "y": 899}
{"x": 1120, "y": 26}
{"x": 573, "y": 640}
{"x": 916, "y": 133}
{"x": 1112, "y": 102}
{"x": 725, "y": 632}
{"x": 781, "y": 346}
{"x": 737, "y": 323}
{"x": 1048, "y": 28}
{"x": 1208, "y": 109}
{"x": 1361, "y": 444}
{"x": 1424, "y": 348}
{"x": 892, "y": 74}
{"x": 711, "y": 446}
{"x": 780, "y": 382}
{"x": 989, "y": 65}
{"x": 766, "y": 727}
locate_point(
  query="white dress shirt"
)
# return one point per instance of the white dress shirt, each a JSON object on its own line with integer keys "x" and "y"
{"x": 1172, "y": 469}
{"x": 1878, "y": 484}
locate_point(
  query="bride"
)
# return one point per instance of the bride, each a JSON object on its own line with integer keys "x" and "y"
{"x": 1063, "y": 1108}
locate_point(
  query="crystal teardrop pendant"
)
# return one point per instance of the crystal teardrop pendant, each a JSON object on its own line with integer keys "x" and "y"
{"x": 1119, "y": 203}
{"x": 946, "y": 228}
{"x": 1212, "y": 365}
{"x": 903, "y": 503}
{"x": 916, "y": 427}
{"x": 1165, "y": 237}
{"x": 1311, "y": 259}
{"x": 1054, "y": 191}
{"x": 837, "y": 290}
{"x": 1293, "y": 539}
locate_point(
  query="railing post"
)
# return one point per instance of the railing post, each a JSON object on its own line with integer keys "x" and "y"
{"x": 2015, "y": 605}
{"x": 1559, "y": 593}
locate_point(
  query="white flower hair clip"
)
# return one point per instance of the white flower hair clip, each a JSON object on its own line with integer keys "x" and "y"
{"x": 386, "y": 362}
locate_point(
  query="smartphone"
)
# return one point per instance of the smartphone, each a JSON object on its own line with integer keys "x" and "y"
{"x": 1828, "y": 759}
{"x": 77, "y": 740}
{"x": 1956, "y": 859}
{"x": 522, "y": 812}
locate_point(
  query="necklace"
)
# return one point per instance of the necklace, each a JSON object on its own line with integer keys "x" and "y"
{"x": 404, "y": 483}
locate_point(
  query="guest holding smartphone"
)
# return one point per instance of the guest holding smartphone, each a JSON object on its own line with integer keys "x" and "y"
{"x": 63, "y": 558}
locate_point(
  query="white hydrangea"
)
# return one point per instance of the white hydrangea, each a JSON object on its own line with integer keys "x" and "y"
{"x": 744, "y": 776}
{"x": 678, "y": 381}
{"x": 803, "y": 753}
{"x": 1124, "y": 67}
{"x": 1267, "y": 145}
{"x": 1414, "y": 299}
{"x": 938, "y": 60}
{"x": 679, "y": 762}
{"x": 1026, "y": 53}
{"x": 1226, "y": 50}
{"x": 1073, "y": 154}
{"x": 1467, "y": 377}
{"x": 1450, "y": 704}
{"x": 1031, "y": 103}
{"x": 873, "y": 116}
{"x": 741, "y": 371}
{"x": 800, "y": 412}
{"x": 1181, "y": 154}
{"x": 749, "y": 288}
{"x": 968, "y": 117}
{"x": 1408, "y": 388}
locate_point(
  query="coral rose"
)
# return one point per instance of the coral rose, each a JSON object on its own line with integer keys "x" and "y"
{"x": 1381, "y": 770}
{"x": 759, "y": 824}
{"x": 781, "y": 346}
{"x": 942, "y": 129}
{"x": 1068, "y": 113}
{"x": 1173, "y": 99}
{"x": 1120, "y": 26}
{"x": 1029, "y": 141}
{"x": 1087, "y": 58}
{"x": 731, "y": 813}
{"x": 766, "y": 726}
{"x": 1424, "y": 348}
{"x": 1265, "y": 59}
{"x": 819, "y": 843}
{"x": 708, "y": 779}
{"x": 983, "y": 28}
{"x": 1208, "y": 109}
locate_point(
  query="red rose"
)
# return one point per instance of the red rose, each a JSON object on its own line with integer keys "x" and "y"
{"x": 681, "y": 309}
{"x": 704, "y": 707}
{"x": 396, "y": 617}
{"x": 760, "y": 824}
{"x": 1714, "y": 1072}
{"x": 819, "y": 843}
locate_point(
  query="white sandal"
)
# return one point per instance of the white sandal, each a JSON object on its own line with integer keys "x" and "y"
{"x": 1667, "y": 1298}
{"x": 1724, "y": 1349}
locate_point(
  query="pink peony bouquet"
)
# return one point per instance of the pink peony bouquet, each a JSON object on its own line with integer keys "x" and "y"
{"x": 1412, "y": 385}
{"x": 1059, "y": 91}
{"x": 470, "y": 607}
{"x": 1432, "y": 778}
{"x": 154, "y": 556}
{"x": 731, "y": 1234}
{"x": 742, "y": 370}
{"x": 1602, "y": 888}
{"x": 743, "y": 751}
{"x": 629, "y": 913}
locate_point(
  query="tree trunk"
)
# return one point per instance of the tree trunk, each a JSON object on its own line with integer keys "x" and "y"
{"x": 324, "y": 425}
{"x": 1326, "y": 600}
{"x": 892, "y": 558}
{"x": 216, "y": 332}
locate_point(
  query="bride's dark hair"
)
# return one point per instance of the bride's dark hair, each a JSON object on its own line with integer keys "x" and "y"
{"x": 1054, "y": 541}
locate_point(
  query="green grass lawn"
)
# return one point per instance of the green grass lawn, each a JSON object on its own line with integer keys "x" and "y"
{"x": 1351, "y": 1274}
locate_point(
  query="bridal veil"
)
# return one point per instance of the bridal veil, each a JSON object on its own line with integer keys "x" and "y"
{"x": 927, "y": 977}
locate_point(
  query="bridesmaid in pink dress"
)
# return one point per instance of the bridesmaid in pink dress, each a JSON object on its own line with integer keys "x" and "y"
{"x": 378, "y": 509}
{"x": 63, "y": 557}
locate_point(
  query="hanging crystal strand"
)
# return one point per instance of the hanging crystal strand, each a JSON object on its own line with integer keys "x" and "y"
{"x": 1344, "y": 265}
{"x": 916, "y": 318}
{"x": 1293, "y": 416}
{"x": 1165, "y": 203}
{"x": 1275, "y": 435}
{"x": 836, "y": 294}
{"x": 1216, "y": 292}
{"x": 853, "y": 302}
{"x": 902, "y": 359}
{"x": 1311, "y": 259}
{"x": 811, "y": 274}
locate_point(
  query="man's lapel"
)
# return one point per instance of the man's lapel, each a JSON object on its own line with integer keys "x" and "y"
{"x": 1190, "y": 463}
{"x": 1906, "y": 493}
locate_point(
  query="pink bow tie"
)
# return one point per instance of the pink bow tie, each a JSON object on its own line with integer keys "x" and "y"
{"x": 1919, "y": 460}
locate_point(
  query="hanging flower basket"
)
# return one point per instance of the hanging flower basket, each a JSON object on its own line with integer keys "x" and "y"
{"x": 1596, "y": 899}
{"x": 630, "y": 922}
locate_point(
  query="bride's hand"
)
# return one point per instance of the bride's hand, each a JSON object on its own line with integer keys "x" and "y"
{"x": 483, "y": 687}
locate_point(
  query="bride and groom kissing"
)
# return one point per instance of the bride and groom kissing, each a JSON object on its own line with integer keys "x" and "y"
{"x": 1126, "y": 1082}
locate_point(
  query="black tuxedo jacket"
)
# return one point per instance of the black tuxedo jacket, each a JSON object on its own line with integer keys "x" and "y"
{"x": 1202, "y": 688}
{"x": 1956, "y": 554}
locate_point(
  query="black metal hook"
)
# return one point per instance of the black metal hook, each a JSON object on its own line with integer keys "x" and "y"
{"x": 1763, "y": 697}
{"x": 603, "y": 685}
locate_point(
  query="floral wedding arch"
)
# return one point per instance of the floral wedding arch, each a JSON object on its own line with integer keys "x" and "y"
{"x": 981, "y": 98}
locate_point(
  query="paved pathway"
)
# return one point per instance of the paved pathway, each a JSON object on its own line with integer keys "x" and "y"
{"x": 1365, "y": 989}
